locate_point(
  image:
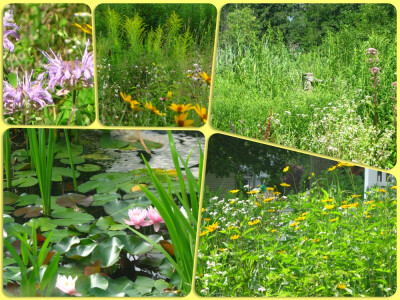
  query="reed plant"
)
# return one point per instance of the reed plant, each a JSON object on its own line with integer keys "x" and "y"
{"x": 7, "y": 158}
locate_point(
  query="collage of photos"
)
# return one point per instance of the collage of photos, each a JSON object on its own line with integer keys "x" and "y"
{"x": 282, "y": 182}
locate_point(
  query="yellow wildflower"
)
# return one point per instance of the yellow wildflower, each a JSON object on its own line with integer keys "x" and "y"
{"x": 257, "y": 204}
{"x": 253, "y": 192}
{"x": 181, "y": 121}
{"x": 294, "y": 224}
{"x": 327, "y": 200}
{"x": 271, "y": 210}
{"x": 234, "y": 191}
{"x": 334, "y": 220}
{"x": 232, "y": 202}
{"x": 382, "y": 190}
{"x": 87, "y": 28}
{"x": 154, "y": 109}
{"x": 394, "y": 187}
{"x": 304, "y": 214}
{"x": 282, "y": 252}
{"x": 297, "y": 228}
{"x": 341, "y": 286}
{"x": 331, "y": 169}
{"x": 251, "y": 223}
{"x": 276, "y": 193}
{"x": 212, "y": 227}
{"x": 329, "y": 206}
{"x": 169, "y": 94}
{"x": 207, "y": 219}
{"x": 355, "y": 196}
{"x": 274, "y": 230}
{"x": 285, "y": 169}
{"x": 180, "y": 108}
{"x": 203, "y": 209}
{"x": 234, "y": 237}
{"x": 206, "y": 78}
{"x": 285, "y": 184}
{"x": 202, "y": 112}
{"x": 269, "y": 188}
{"x": 204, "y": 233}
{"x": 268, "y": 199}
{"x": 325, "y": 257}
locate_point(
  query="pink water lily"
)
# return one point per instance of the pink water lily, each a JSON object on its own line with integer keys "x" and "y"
{"x": 155, "y": 217}
{"x": 137, "y": 218}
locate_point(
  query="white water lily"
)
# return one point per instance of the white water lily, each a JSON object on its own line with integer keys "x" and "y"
{"x": 67, "y": 284}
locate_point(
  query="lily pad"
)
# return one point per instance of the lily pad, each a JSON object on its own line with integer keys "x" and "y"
{"x": 28, "y": 211}
{"x": 107, "y": 141}
{"x": 9, "y": 197}
{"x": 71, "y": 200}
{"x": 61, "y": 150}
{"x": 65, "y": 244}
{"x": 101, "y": 199}
{"x": 25, "y": 182}
{"x": 77, "y": 160}
{"x": 81, "y": 251}
{"x": 143, "y": 285}
{"x": 45, "y": 224}
{"x": 22, "y": 166}
{"x": 27, "y": 199}
{"x": 71, "y": 217}
{"x": 108, "y": 251}
{"x": 116, "y": 177}
{"x": 118, "y": 210}
{"x": 88, "y": 168}
{"x": 97, "y": 156}
{"x": 59, "y": 172}
{"x": 101, "y": 186}
{"x": 135, "y": 245}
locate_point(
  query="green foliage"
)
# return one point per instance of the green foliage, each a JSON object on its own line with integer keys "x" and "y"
{"x": 152, "y": 61}
{"x": 258, "y": 91}
{"x": 328, "y": 241}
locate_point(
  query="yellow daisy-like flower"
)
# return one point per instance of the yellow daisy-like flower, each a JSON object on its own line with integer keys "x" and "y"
{"x": 181, "y": 121}
{"x": 324, "y": 213}
{"x": 329, "y": 206}
{"x": 212, "y": 227}
{"x": 274, "y": 230}
{"x": 341, "y": 286}
{"x": 269, "y": 188}
{"x": 331, "y": 169}
{"x": 201, "y": 111}
{"x": 232, "y": 202}
{"x": 257, "y": 204}
{"x": 180, "y": 108}
{"x": 325, "y": 257}
{"x": 206, "y": 78}
{"x": 207, "y": 219}
{"x": 305, "y": 214}
{"x": 297, "y": 228}
{"x": 234, "y": 237}
{"x": 285, "y": 169}
{"x": 382, "y": 190}
{"x": 234, "y": 191}
{"x": 355, "y": 196}
{"x": 343, "y": 164}
{"x": 327, "y": 200}
{"x": 285, "y": 184}
{"x": 251, "y": 223}
{"x": 154, "y": 109}
{"x": 271, "y": 210}
{"x": 203, "y": 233}
{"x": 282, "y": 252}
{"x": 300, "y": 219}
{"x": 369, "y": 202}
{"x": 135, "y": 105}
{"x": 203, "y": 209}
{"x": 169, "y": 94}
{"x": 125, "y": 97}
{"x": 394, "y": 187}
{"x": 294, "y": 224}
{"x": 276, "y": 193}
{"x": 232, "y": 227}
{"x": 253, "y": 192}
{"x": 268, "y": 199}
{"x": 334, "y": 220}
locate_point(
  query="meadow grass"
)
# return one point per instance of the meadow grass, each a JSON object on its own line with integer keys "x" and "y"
{"x": 258, "y": 93}
{"x": 327, "y": 241}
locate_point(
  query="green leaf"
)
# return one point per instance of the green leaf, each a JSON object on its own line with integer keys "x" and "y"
{"x": 65, "y": 244}
{"x": 25, "y": 182}
{"x": 143, "y": 285}
{"x": 59, "y": 172}
{"x": 71, "y": 217}
{"x": 101, "y": 186}
{"x": 77, "y": 160}
{"x": 102, "y": 199}
{"x": 98, "y": 281}
{"x": 88, "y": 168}
{"x": 108, "y": 251}
{"x": 135, "y": 245}
{"x": 118, "y": 210}
{"x": 9, "y": 197}
{"x": 107, "y": 141}
{"x": 27, "y": 199}
{"x": 71, "y": 200}
{"x": 80, "y": 251}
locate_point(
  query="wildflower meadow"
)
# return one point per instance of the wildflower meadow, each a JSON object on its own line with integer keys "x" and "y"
{"x": 154, "y": 63}
{"x": 48, "y": 65}
{"x": 316, "y": 77}
{"x": 326, "y": 241}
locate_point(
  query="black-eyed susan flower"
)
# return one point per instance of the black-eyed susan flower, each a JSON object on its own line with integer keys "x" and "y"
{"x": 206, "y": 78}
{"x": 180, "y": 108}
{"x": 181, "y": 121}
{"x": 152, "y": 108}
{"x": 212, "y": 227}
{"x": 201, "y": 111}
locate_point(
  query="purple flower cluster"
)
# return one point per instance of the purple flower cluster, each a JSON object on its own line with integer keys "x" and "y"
{"x": 7, "y": 44}
{"x": 28, "y": 95}
{"x": 69, "y": 74}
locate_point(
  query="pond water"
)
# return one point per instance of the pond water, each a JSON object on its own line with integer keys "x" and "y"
{"x": 124, "y": 161}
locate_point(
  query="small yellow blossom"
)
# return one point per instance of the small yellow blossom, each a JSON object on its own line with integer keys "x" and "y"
{"x": 341, "y": 286}
{"x": 154, "y": 109}
{"x": 269, "y": 188}
{"x": 382, "y": 190}
{"x": 234, "y": 191}
{"x": 284, "y": 184}
{"x": 324, "y": 213}
{"x": 169, "y": 94}
{"x": 300, "y": 219}
{"x": 334, "y": 220}
{"x": 282, "y": 252}
{"x": 207, "y": 219}
{"x": 204, "y": 233}
{"x": 276, "y": 193}
{"x": 331, "y": 169}
{"x": 201, "y": 112}
{"x": 268, "y": 199}
{"x": 253, "y": 192}
{"x": 327, "y": 200}
{"x": 329, "y": 206}
{"x": 304, "y": 214}
{"x": 234, "y": 237}
{"x": 274, "y": 230}
{"x": 297, "y": 228}
{"x": 180, "y": 108}
{"x": 355, "y": 196}
{"x": 232, "y": 202}
{"x": 394, "y": 187}
{"x": 294, "y": 224}
{"x": 203, "y": 209}
{"x": 285, "y": 169}
{"x": 206, "y": 78}
{"x": 325, "y": 257}
{"x": 271, "y": 210}
{"x": 181, "y": 121}
{"x": 251, "y": 223}
{"x": 212, "y": 227}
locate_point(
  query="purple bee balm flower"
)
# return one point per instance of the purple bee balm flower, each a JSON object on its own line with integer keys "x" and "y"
{"x": 28, "y": 95}
{"x": 155, "y": 217}
{"x": 69, "y": 74}
{"x": 137, "y": 218}
{"x": 7, "y": 44}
